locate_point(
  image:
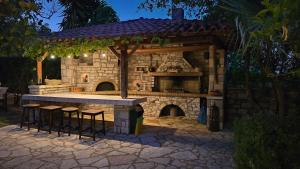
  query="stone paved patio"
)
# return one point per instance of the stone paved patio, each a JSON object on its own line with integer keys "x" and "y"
{"x": 165, "y": 143}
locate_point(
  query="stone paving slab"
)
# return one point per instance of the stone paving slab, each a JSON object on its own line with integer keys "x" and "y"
{"x": 160, "y": 146}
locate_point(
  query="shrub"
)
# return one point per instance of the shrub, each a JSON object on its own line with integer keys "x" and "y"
{"x": 267, "y": 141}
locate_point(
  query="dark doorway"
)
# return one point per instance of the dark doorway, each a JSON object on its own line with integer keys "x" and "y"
{"x": 105, "y": 86}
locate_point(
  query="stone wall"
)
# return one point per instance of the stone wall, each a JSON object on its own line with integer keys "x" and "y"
{"x": 104, "y": 69}
{"x": 154, "y": 104}
{"x": 48, "y": 89}
{"x": 237, "y": 104}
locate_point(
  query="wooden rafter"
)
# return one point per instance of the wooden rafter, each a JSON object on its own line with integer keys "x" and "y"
{"x": 172, "y": 49}
{"x": 113, "y": 50}
{"x": 133, "y": 49}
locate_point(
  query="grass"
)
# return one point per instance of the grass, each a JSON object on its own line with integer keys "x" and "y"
{"x": 12, "y": 116}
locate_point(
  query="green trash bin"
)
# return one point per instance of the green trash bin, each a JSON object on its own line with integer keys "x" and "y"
{"x": 134, "y": 115}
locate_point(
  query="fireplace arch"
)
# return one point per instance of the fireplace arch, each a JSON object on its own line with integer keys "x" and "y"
{"x": 171, "y": 110}
{"x": 105, "y": 85}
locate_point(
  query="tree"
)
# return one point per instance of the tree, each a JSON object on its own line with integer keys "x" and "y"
{"x": 15, "y": 25}
{"x": 201, "y": 9}
{"x": 268, "y": 34}
{"x": 269, "y": 37}
{"x": 82, "y": 13}
{"x": 196, "y": 8}
{"x": 104, "y": 14}
{"x": 19, "y": 25}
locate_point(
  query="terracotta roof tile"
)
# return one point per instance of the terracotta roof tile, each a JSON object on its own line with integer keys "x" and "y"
{"x": 142, "y": 27}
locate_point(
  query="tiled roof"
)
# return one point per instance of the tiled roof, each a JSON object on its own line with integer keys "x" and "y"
{"x": 142, "y": 27}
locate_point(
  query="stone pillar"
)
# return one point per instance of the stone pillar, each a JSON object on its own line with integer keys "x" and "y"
{"x": 69, "y": 71}
{"x": 211, "y": 68}
{"x": 216, "y": 82}
{"x": 220, "y": 68}
{"x": 122, "y": 118}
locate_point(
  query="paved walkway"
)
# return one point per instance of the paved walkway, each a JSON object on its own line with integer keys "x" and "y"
{"x": 163, "y": 144}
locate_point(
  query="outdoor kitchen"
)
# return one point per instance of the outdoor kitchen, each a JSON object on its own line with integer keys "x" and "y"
{"x": 172, "y": 84}
{"x": 183, "y": 77}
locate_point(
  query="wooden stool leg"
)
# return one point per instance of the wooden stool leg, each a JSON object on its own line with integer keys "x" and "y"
{"x": 50, "y": 121}
{"x": 69, "y": 123}
{"x": 28, "y": 119}
{"x": 94, "y": 127}
{"x": 40, "y": 120}
{"x": 78, "y": 120}
{"x": 91, "y": 123}
{"x": 61, "y": 123}
{"x": 81, "y": 124}
{"x": 33, "y": 112}
{"x": 22, "y": 117}
{"x": 103, "y": 124}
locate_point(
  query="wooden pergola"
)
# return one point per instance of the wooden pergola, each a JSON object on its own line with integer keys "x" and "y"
{"x": 192, "y": 41}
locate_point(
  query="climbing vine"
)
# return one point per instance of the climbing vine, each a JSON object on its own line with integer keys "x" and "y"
{"x": 38, "y": 47}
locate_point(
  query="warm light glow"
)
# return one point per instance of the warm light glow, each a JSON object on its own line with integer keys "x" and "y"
{"x": 103, "y": 55}
{"x": 52, "y": 57}
{"x": 85, "y": 55}
{"x": 69, "y": 56}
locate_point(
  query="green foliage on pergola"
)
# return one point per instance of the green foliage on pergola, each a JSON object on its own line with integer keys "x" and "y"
{"x": 76, "y": 47}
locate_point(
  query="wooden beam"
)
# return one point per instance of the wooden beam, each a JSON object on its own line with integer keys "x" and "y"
{"x": 39, "y": 67}
{"x": 113, "y": 50}
{"x": 133, "y": 49}
{"x": 124, "y": 72}
{"x": 172, "y": 49}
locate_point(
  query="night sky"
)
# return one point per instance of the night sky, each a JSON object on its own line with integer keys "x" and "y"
{"x": 126, "y": 10}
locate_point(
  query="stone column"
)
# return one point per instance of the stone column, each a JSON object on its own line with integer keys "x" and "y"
{"x": 216, "y": 81}
{"x": 219, "y": 84}
{"x": 122, "y": 118}
{"x": 69, "y": 71}
{"x": 211, "y": 68}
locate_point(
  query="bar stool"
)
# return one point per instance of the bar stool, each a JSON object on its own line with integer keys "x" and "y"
{"x": 49, "y": 110}
{"x": 29, "y": 109}
{"x": 70, "y": 111}
{"x": 93, "y": 113}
